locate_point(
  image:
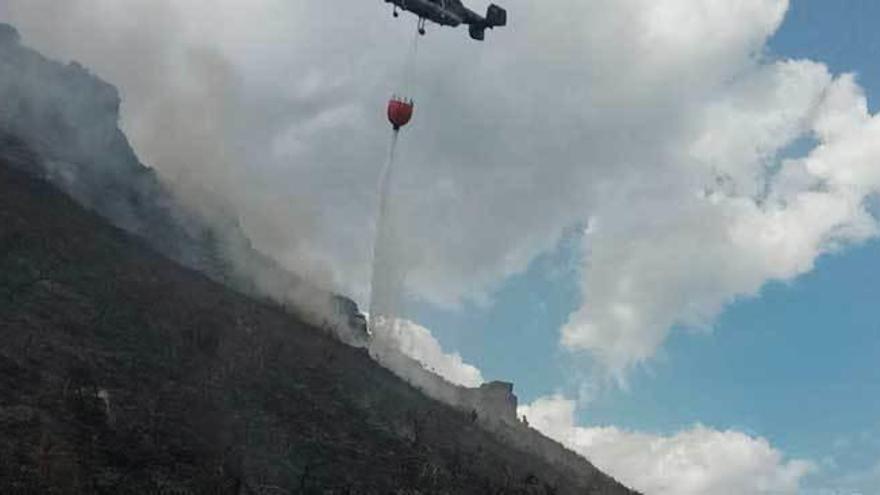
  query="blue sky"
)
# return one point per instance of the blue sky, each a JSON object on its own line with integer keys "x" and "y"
{"x": 796, "y": 365}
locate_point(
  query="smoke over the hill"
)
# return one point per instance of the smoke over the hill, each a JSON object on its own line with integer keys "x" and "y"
{"x": 60, "y": 122}
{"x": 663, "y": 125}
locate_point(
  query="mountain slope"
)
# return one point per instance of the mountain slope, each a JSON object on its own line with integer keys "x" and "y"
{"x": 123, "y": 372}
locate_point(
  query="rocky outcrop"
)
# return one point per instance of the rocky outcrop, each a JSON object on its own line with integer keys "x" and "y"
{"x": 492, "y": 406}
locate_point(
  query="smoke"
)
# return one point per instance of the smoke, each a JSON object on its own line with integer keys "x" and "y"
{"x": 68, "y": 118}
{"x": 184, "y": 107}
{"x": 409, "y": 350}
{"x": 190, "y": 138}
{"x": 664, "y": 125}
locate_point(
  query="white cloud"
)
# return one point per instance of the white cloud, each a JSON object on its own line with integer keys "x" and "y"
{"x": 659, "y": 122}
{"x": 698, "y": 461}
{"x": 723, "y": 221}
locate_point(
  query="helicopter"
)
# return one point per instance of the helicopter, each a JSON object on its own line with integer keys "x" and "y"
{"x": 452, "y": 13}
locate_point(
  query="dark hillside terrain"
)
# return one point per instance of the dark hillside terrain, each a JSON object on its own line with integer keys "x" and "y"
{"x": 124, "y": 372}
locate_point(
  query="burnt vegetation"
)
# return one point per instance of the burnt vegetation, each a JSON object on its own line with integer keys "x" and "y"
{"x": 123, "y": 372}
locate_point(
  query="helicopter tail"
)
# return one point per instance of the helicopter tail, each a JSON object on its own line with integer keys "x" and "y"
{"x": 496, "y": 16}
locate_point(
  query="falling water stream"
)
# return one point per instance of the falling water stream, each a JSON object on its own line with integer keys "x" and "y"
{"x": 386, "y": 282}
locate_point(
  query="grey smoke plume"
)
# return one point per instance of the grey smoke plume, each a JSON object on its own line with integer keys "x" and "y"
{"x": 224, "y": 131}
{"x": 662, "y": 125}
{"x": 192, "y": 223}
{"x": 68, "y": 119}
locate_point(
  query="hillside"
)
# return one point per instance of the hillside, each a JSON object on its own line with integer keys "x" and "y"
{"x": 122, "y": 371}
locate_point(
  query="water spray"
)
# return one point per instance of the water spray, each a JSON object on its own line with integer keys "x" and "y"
{"x": 384, "y": 284}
